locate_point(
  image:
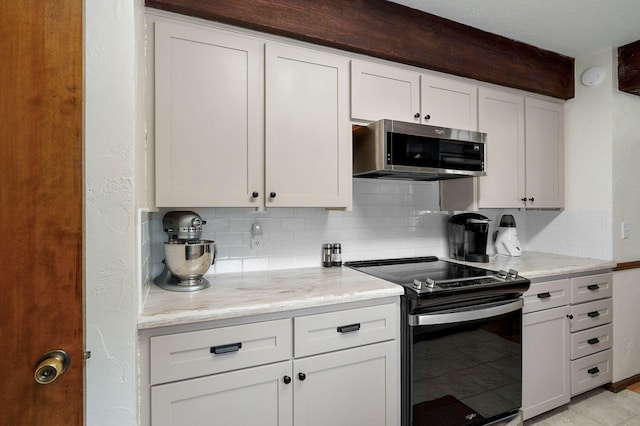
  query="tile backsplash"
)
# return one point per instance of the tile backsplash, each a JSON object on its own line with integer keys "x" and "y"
{"x": 388, "y": 219}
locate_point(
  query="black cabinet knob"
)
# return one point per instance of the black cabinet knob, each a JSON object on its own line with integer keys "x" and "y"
{"x": 416, "y": 115}
{"x": 272, "y": 195}
{"x": 255, "y": 194}
{"x": 286, "y": 380}
{"x": 570, "y": 316}
{"x": 523, "y": 199}
{"x": 532, "y": 199}
{"x": 427, "y": 117}
{"x": 302, "y": 376}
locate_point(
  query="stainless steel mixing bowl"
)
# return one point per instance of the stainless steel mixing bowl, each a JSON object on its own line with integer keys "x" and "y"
{"x": 189, "y": 261}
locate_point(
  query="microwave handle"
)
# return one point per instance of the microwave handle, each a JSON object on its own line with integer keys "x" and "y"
{"x": 465, "y": 314}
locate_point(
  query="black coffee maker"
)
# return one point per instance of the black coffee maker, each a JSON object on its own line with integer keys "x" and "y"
{"x": 468, "y": 234}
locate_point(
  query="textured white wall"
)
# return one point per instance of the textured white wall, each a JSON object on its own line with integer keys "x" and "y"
{"x": 626, "y": 208}
{"x": 602, "y": 152}
{"x": 111, "y": 127}
{"x": 626, "y": 175}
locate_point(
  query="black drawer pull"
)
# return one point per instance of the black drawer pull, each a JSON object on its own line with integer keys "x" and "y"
{"x": 348, "y": 328}
{"x": 225, "y": 349}
{"x": 544, "y": 295}
{"x": 594, "y": 370}
{"x": 593, "y": 341}
{"x": 593, "y": 314}
{"x": 593, "y": 287}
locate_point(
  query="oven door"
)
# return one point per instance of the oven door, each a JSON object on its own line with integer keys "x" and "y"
{"x": 463, "y": 366}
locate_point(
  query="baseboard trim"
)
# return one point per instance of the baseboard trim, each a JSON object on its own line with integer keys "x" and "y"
{"x": 622, "y": 384}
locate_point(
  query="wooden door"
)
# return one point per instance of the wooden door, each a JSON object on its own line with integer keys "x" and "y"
{"x": 41, "y": 208}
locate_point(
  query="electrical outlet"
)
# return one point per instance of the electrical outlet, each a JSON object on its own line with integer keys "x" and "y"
{"x": 257, "y": 241}
{"x": 257, "y": 238}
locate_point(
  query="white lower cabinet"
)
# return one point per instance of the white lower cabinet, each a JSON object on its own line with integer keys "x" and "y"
{"x": 252, "y": 396}
{"x": 545, "y": 360}
{"x": 346, "y": 388}
{"x": 566, "y": 340}
{"x": 343, "y": 370}
{"x": 591, "y": 332}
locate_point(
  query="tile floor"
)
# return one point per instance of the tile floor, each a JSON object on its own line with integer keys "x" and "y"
{"x": 594, "y": 408}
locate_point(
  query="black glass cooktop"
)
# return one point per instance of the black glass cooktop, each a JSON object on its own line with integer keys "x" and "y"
{"x": 430, "y": 275}
{"x": 405, "y": 270}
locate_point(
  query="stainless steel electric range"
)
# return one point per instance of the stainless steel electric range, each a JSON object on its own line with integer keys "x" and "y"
{"x": 461, "y": 341}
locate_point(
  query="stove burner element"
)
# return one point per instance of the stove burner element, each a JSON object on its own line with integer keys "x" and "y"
{"x": 431, "y": 277}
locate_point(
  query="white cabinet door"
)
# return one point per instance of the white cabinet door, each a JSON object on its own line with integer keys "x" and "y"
{"x": 253, "y": 396}
{"x": 209, "y": 117}
{"x": 544, "y": 158}
{"x": 546, "y": 368}
{"x": 351, "y": 387}
{"x": 501, "y": 117}
{"x": 308, "y": 134}
{"x": 449, "y": 103}
{"x": 379, "y": 91}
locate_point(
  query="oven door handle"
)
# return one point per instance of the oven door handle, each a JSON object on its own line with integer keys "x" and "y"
{"x": 466, "y": 314}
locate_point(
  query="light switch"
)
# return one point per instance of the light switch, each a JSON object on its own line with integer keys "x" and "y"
{"x": 625, "y": 230}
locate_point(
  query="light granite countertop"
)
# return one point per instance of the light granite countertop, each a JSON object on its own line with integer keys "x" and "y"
{"x": 534, "y": 265}
{"x": 236, "y": 295}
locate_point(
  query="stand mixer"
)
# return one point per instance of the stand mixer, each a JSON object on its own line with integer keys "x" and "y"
{"x": 187, "y": 256}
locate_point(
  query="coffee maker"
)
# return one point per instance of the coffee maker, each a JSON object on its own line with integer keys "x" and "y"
{"x": 187, "y": 256}
{"x": 468, "y": 234}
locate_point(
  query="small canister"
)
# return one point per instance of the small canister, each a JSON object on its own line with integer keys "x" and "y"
{"x": 326, "y": 255}
{"x": 336, "y": 255}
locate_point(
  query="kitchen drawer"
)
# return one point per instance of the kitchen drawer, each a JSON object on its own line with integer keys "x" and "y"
{"x": 332, "y": 331}
{"x": 591, "y": 287}
{"x": 591, "y": 371}
{"x": 590, "y": 341}
{"x": 591, "y": 314}
{"x": 198, "y": 353}
{"x": 547, "y": 295}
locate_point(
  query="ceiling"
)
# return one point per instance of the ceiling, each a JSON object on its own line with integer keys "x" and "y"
{"x": 570, "y": 27}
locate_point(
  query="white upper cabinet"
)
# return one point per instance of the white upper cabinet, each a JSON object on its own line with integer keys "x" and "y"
{"x": 379, "y": 91}
{"x": 525, "y": 162}
{"x": 224, "y": 139}
{"x": 449, "y": 103}
{"x": 502, "y": 119}
{"x": 544, "y": 136}
{"x": 308, "y": 133}
{"x": 209, "y": 117}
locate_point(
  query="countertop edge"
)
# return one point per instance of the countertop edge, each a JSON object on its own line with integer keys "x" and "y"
{"x": 191, "y": 316}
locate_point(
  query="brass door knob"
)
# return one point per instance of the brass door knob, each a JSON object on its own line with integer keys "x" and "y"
{"x": 51, "y": 366}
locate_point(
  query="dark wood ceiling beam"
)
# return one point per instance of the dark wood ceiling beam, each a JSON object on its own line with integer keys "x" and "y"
{"x": 397, "y": 33}
{"x": 629, "y": 68}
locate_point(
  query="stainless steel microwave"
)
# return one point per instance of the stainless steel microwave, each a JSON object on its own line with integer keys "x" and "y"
{"x": 390, "y": 149}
